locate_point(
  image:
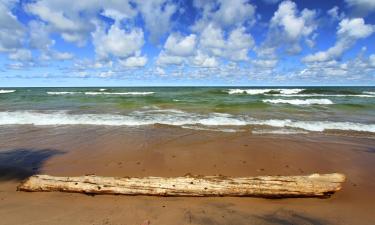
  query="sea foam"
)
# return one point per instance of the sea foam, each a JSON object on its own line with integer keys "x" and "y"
{"x": 294, "y": 92}
{"x": 6, "y": 91}
{"x": 321, "y": 95}
{"x": 169, "y": 117}
{"x": 62, "y": 92}
{"x": 119, "y": 93}
{"x": 264, "y": 91}
{"x": 299, "y": 101}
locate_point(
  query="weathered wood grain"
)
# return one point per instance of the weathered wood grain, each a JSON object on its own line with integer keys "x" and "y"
{"x": 315, "y": 185}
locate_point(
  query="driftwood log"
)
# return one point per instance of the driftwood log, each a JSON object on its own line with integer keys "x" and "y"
{"x": 315, "y": 185}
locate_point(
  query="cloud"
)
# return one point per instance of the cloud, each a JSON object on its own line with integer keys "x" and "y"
{"x": 106, "y": 74}
{"x": 160, "y": 71}
{"x": 134, "y": 61}
{"x": 372, "y": 60}
{"x": 180, "y": 46}
{"x": 354, "y": 28}
{"x": 361, "y": 7}
{"x": 72, "y": 29}
{"x": 73, "y": 20}
{"x": 235, "y": 47}
{"x": 55, "y": 55}
{"x": 117, "y": 42}
{"x": 334, "y": 13}
{"x": 223, "y": 13}
{"x": 288, "y": 26}
{"x": 21, "y": 55}
{"x": 39, "y": 39}
{"x": 238, "y": 44}
{"x": 157, "y": 16}
{"x": 212, "y": 39}
{"x": 166, "y": 59}
{"x": 348, "y": 32}
{"x": 10, "y": 25}
{"x": 233, "y": 12}
{"x": 203, "y": 60}
{"x": 358, "y": 68}
{"x": 265, "y": 63}
{"x": 39, "y": 36}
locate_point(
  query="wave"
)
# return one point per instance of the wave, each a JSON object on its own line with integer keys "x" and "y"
{"x": 62, "y": 92}
{"x": 321, "y": 95}
{"x": 299, "y": 92}
{"x": 265, "y": 91}
{"x": 119, "y": 93}
{"x": 97, "y": 93}
{"x": 299, "y": 101}
{"x": 7, "y": 91}
{"x": 170, "y": 117}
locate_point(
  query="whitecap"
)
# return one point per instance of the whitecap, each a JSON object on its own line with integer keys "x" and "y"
{"x": 285, "y": 91}
{"x": 299, "y": 101}
{"x": 118, "y": 93}
{"x": 62, "y": 92}
{"x": 7, "y": 91}
{"x": 320, "y": 95}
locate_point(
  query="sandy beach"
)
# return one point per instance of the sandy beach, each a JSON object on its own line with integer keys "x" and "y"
{"x": 171, "y": 151}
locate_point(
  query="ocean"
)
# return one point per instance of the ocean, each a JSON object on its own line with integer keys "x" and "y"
{"x": 257, "y": 110}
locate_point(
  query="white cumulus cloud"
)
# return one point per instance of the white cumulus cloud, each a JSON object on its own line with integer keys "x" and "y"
{"x": 134, "y": 61}
{"x": 117, "y": 42}
{"x": 348, "y": 32}
{"x": 362, "y": 6}
{"x": 11, "y": 30}
{"x": 157, "y": 16}
{"x": 180, "y": 46}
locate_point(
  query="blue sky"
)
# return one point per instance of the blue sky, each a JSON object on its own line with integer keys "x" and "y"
{"x": 161, "y": 42}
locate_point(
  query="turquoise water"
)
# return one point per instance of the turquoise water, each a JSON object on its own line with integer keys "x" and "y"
{"x": 302, "y": 108}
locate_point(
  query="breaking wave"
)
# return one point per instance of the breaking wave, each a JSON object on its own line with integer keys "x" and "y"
{"x": 264, "y": 91}
{"x": 169, "y": 117}
{"x": 102, "y": 92}
{"x": 299, "y": 101}
{"x": 324, "y": 95}
{"x": 62, "y": 92}
{"x": 299, "y": 92}
{"x": 6, "y": 91}
{"x": 119, "y": 93}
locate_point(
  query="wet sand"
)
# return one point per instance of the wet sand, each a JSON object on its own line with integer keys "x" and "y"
{"x": 170, "y": 151}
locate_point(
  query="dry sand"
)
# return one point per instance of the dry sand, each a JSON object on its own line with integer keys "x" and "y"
{"x": 168, "y": 151}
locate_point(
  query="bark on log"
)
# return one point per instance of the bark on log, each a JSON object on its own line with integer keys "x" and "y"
{"x": 315, "y": 185}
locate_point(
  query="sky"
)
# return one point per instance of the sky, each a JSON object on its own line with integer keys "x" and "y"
{"x": 187, "y": 43}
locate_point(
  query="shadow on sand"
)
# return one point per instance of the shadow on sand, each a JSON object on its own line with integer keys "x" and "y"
{"x": 227, "y": 215}
{"x": 18, "y": 164}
